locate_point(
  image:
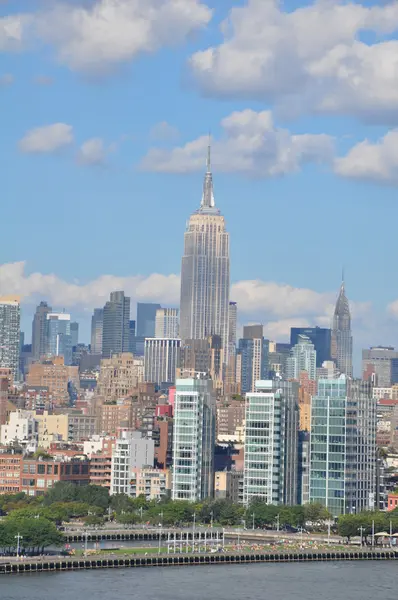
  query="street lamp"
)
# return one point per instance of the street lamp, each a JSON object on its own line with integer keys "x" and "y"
{"x": 18, "y": 538}
{"x": 193, "y": 531}
{"x": 160, "y": 530}
{"x": 361, "y": 529}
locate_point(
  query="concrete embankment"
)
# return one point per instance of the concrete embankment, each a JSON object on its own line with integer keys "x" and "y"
{"x": 229, "y": 558}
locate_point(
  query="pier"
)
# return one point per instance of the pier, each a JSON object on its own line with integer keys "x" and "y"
{"x": 227, "y": 558}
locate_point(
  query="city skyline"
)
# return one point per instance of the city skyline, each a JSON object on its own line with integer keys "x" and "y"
{"x": 139, "y": 170}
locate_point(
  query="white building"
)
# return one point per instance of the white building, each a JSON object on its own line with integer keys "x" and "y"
{"x": 131, "y": 451}
{"x": 10, "y": 315}
{"x": 166, "y": 323}
{"x": 162, "y": 358}
{"x": 302, "y": 358}
{"x": 22, "y": 428}
{"x": 194, "y": 439}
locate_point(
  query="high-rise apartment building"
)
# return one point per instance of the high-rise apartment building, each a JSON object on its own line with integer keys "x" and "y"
{"x": 10, "y": 316}
{"x": 194, "y": 439}
{"x": 166, "y": 323}
{"x": 204, "y": 305}
{"x": 162, "y": 358}
{"x": 319, "y": 336}
{"x": 253, "y": 358}
{"x": 377, "y": 365}
{"x": 341, "y": 347}
{"x": 39, "y": 331}
{"x": 97, "y": 324}
{"x": 302, "y": 358}
{"x": 116, "y": 325}
{"x": 131, "y": 452}
{"x": 54, "y": 375}
{"x": 271, "y": 443}
{"x": 343, "y": 445}
{"x": 119, "y": 375}
{"x": 59, "y": 339}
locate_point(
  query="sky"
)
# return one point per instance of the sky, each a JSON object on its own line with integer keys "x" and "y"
{"x": 105, "y": 111}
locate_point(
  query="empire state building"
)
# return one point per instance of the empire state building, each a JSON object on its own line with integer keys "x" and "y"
{"x": 205, "y": 271}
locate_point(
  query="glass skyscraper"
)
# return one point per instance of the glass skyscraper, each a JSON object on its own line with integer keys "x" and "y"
{"x": 39, "y": 330}
{"x": 59, "y": 339}
{"x": 341, "y": 334}
{"x": 343, "y": 445}
{"x": 97, "y": 323}
{"x": 319, "y": 336}
{"x": 302, "y": 358}
{"x": 194, "y": 439}
{"x": 204, "y": 305}
{"x": 116, "y": 325}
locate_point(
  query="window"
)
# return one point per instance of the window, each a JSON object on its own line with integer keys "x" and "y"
{"x": 41, "y": 469}
{"x": 41, "y": 483}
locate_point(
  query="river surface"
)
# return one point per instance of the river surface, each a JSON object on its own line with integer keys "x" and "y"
{"x": 319, "y": 581}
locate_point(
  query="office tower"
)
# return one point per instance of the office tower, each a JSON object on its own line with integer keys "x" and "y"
{"x": 277, "y": 358}
{"x": 39, "y": 330}
{"x": 162, "y": 358}
{"x": 232, "y": 322}
{"x": 132, "y": 336}
{"x": 204, "y": 305}
{"x": 319, "y": 336}
{"x": 119, "y": 375}
{"x": 130, "y": 452}
{"x": 254, "y": 358}
{"x": 195, "y": 356}
{"x": 97, "y": 324}
{"x": 10, "y": 316}
{"x": 59, "y": 339}
{"x": 302, "y": 358}
{"x": 378, "y": 364}
{"x": 194, "y": 439}
{"x": 343, "y": 445}
{"x": 341, "y": 347}
{"x": 74, "y": 333}
{"x": 252, "y": 332}
{"x": 166, "y": 323}
{"x": 271, "y": 443}
{"x": 116, "y": 325}
{"x": 146, "y": 319}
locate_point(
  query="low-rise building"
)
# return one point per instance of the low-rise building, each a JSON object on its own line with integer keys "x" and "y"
{"x": 154, "y": 484}
{"x": 228, "y": 485}
{"x": 392, "y": 502}
{"x": 131, "y": 452}
{"x": 22, "y": 428}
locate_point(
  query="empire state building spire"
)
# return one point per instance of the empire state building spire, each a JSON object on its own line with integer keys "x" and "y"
{"x": 208, "y": 193}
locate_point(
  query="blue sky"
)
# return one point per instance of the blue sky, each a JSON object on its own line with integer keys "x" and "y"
{"x": 105, "y": 107}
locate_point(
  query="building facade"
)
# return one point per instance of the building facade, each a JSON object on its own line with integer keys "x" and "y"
{"x": 319, "y": 336}
{"x": 39, "y": 331}
{"x": 116, "y": 325}
{"x": 167, "y": 323}
{"x": 378, "y": 365}
{"x": 10, "y": 329}
{"x": 131, "y": 452}
{"x": 253, "y": 362}
{"x": 162, "y": 358}
{"x": 194, "y": 439}
{"x": 302, "y": 358}
{"x": 205, "y": 279}
{"x": 59, "y": 338}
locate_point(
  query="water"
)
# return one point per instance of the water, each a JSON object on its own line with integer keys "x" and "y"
{"x": 318, "y": 581}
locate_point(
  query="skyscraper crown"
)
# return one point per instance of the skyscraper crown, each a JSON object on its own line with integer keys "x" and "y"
{"x": 342, "y": 308}
{"x": 208, "y": 204}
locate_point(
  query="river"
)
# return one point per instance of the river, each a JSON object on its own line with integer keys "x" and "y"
{"x": 316, "y": 581}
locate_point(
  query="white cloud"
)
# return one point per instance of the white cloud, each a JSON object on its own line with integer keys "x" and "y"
{"x": 6, "y": 80}
{"x": 47, "y": 139}
{"x": 250, "y": 144}
{"x": 163, "y": 131}
{"x": 372, "y": 161}
{"x": 309, "y": 59}
{"x": 95, "y": 36}
{"x": 93, "y": 152}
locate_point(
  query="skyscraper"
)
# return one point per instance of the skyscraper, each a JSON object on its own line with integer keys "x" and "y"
{"x": 253, "y": 358}
{"x": 378, "y": 363}
{"x": 271, "y": 443}
{"x": 146, "y": 319}
{"x": 166, "y": 323}
{"x": 74, "y": 333}
{"x": 232, "y": 323}
{"x": 39, "y": 329}
{"x": 204, "y": 305}
{"x": 343, "y": 446}
{"x": 58, "y": 336}
{"x": 341, "y": 334}
{"x": 10, "y": 316}
{"x": 302, "y": 358}
{"x": 116, "y": 325}
{"x": 194, "y": 439}
{"x": 132, "y": 336}
{"x": 162, "y": 358}
{"x": 319, "y": 336}
{"x": 97, "y": 324}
